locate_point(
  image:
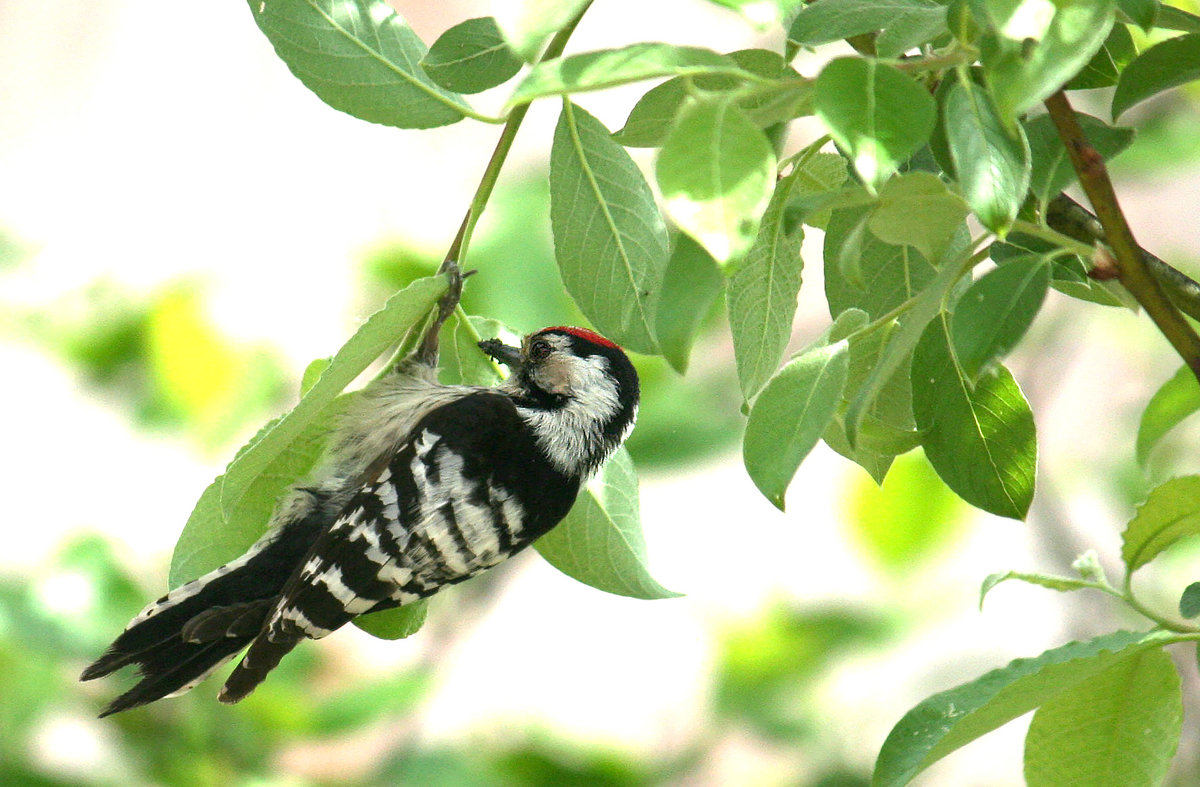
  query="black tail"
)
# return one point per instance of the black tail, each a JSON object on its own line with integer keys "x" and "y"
{"x": 263, "y": 656}
{"x": 187, "y": 634}
{"x": 170, "y": 666}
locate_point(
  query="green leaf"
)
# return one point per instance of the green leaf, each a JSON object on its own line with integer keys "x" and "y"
{"x": 1189, "y": 602}
{"x": 877, "y": 464}
{"x": 908, "y": 519}
{"x": 1032, "y": 47}
{"x": 891, "y": 275}
{"x": 403, "y": 312}
{"x": 235, "y": 510}
{"x": 610, "y": 241}
{"x": 653, "y": 116}
{"x": 1106, "y": 65}
{"x": 1177, "y": 399}
{"x": 833, "y": 20}
{"x": 927, "y": 293}
{"x": 817, "y": 187}
{"x": 1101, "y": 292}
{"x": 893, "y": 360}
{"x": 1143, "y": 13}
{"x": 1172, "y": 18}
{"x": 980, "y": 439}
{"x": 459, "y": 360}
{"x": 789, "y": 416}
{"x": 1068, "y": 273}
{"x": 991, "y": 158}
{"x": 917, "y": 209}
{"x": 939, "y": 146}
{"x": 848, "y": 325}
{"x": 212, "y": 537}
{"x": 909, "y": 30}
{"x": 876, "y": 114}
{"x": 312, "y": 373}
{"x": 850, "y": 254}
{"x": 528, "y": 24}
{"x": 762, "y": 293}
{"x": 600, "y": 542}
{"x": 1163, "y": 66}
{"x": 1170, "y": 514}
{"x": 359, "y": 57}
{"x": 471, "y": 57}
{"x": 950, "y": 719}
{"x": 716, "y": 171}
{"x": 1052, "y": 170}
{"x": 1061, "y": 584}
{"x": 886, "y": 427}
{"x": 993, "y": 315}
{"x": 395, "y": 623}
{"x": 607, "y": 68}
{"x": 1119, "y": 726}
{"x": 691, "y": 285}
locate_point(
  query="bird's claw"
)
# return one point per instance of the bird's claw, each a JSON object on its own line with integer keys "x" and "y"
{"x": 428, "y": 351}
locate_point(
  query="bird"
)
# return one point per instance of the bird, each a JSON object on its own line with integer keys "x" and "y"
{"x": 422, "y": 486}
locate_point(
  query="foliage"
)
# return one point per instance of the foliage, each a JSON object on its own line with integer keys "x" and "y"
{"x": 934, "y": 120}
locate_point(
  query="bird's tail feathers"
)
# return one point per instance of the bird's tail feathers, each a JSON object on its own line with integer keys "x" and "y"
{"x": 262, "y": 657}
{"x": 180, "y": 639}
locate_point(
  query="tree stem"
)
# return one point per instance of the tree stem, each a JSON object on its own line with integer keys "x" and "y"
{"x": 1131, "y": 265}
{"x": 491, "y": 173}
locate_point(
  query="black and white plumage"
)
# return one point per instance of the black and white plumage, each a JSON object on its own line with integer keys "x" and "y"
{"x": 424, "y": 485}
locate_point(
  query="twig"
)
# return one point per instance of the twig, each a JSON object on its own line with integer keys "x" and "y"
{"x": 427, "y": 351}
{"x": 1132, "y": 270}
{"x": 1068, "y": 217}
{"x": 491, "y": 173}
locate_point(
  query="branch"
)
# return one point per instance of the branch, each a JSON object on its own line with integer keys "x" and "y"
{"x": 427, "y": 351}
{"x": 1066, "y": 216}
{"x": 491, "y": 173}
{"x": 1132, "y": 269}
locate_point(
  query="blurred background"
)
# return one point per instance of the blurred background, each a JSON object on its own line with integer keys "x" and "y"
{"x": 183, "y": 227}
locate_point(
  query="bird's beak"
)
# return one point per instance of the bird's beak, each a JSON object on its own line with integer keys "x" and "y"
{"x": 509, "y": 356}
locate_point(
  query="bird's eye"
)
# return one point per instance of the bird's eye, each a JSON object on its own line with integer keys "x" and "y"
{"x": 539, "y": 349}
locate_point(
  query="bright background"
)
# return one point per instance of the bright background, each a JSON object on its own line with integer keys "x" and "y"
{"x": 183, "y": 227}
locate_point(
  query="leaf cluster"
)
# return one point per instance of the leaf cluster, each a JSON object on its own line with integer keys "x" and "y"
{"x": 931, "y": 184}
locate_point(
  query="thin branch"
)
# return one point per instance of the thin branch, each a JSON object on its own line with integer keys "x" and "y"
{"x": 428, "y": 345}
{"x": 1135, "y": 603}
{"x": 1066, "y": 216}
{"x": 1132, "y": 270}
{"x": 491, "y": 173}
{"x": 1065, "y": 244}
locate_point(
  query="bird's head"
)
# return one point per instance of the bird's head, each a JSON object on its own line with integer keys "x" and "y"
{"x": 578, "y": 391}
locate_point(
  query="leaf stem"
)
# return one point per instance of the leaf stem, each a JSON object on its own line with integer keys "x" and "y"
{"x": 1043, "y": 232}
{"x": 966, "y": 263}
{"x": 805, "y": 154}
{"x": 1132, "y": 270}
{"x": 1127, "y": 595}
{"x": 428, "y": 89}
{"x": 940, "y": 62}
{"x": 491, "y": 173}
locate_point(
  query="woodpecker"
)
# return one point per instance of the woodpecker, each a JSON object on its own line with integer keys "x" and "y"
{"x": 422, "y": 485}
